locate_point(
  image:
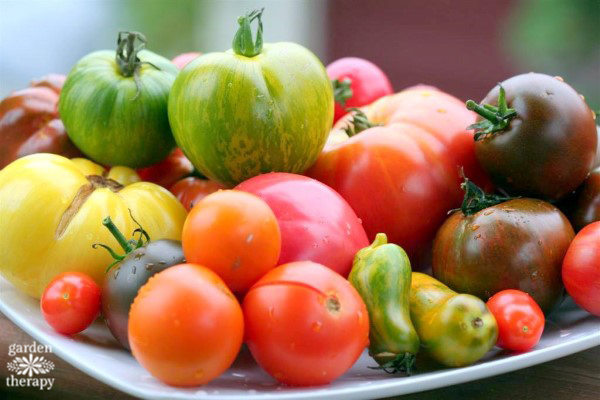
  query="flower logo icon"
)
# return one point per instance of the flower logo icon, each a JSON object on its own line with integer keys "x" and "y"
{"x": 29, "y": 366}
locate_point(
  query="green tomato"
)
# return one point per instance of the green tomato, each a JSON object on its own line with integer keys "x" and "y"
{"x": 114, "y": 104}
{"x": 252, "y": 109}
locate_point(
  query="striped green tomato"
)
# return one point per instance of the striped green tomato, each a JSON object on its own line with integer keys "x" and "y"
{"x": 252, "y": 109}
{"x": 114, "y": 104}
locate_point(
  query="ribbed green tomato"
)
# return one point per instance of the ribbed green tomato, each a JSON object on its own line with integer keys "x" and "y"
{"x": 114, "y": 104}
{"x": 252, "y": 109}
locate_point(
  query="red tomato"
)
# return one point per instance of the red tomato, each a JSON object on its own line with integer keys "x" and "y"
{"x": 185, "y": 326}
{"x": 305, "y": 324}
{"x": 168, "y": 171}
{"x": 235, "y": 234}
{"x": 191, "y": 190}
{"x": 316, "y": 223}
{"x": 184, "y": 59}
{"x": 520, "y": 319}
{"x": 367, "y": 82}
{"x": 403, "y": 177}
{"x": 581, "y": 268}
{"x": 71, "y": 302}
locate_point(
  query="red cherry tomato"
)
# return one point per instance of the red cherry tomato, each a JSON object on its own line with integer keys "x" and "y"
{"x": 71, "y": 302}
{"x": 581, "y": 268}
{"x": 184, "y": 59}
{"x": 191, "y": 190}
{"x": 169, "y": 170}
{"x": 316, "y": 223}
{"x": 305, "y": 324}
{"x": 520, "y": 319}
{"x": 367, "y": 82}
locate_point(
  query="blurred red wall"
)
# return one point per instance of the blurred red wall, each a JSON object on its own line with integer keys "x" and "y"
{"x": 454, "y": 45}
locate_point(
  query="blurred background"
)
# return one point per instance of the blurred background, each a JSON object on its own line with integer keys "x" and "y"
{"x": 462, "y": 46}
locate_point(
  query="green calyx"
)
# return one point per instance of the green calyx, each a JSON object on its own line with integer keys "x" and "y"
{"x": 242, "y": 41}
{"x": 476, "y": 199}
{"x": 127, "y": 245}
{"x": 129, "y": 44}
{"x": 404, "y": 362}
{"x": 342, "y": 91}
{"x": 359, "y": 122}
{"x": 496, "y": 119}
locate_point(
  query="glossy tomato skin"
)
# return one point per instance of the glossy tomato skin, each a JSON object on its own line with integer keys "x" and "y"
{"x": 581, "y": 269}
{"x": 518, "y": 244}
{"x": 165, "y": 173}
{"x": 549, "y": 147}
{"x": 316, "y": 223}
{"x": 520, "y": 320}
{"x": 184, "y": 59}
{"x": 71, "y": 302}
{"x": 367, "y": 81}
{"x": 305, "y": 324}
{"x": 185, "y": 326}
{"x": 586, "y": 205}
{"x": 29, "y": 122}
{"x": 191, "y": 190}
{"x": 235, "y": 234}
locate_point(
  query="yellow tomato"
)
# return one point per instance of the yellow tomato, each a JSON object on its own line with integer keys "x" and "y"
{"x": 51, "y": 213}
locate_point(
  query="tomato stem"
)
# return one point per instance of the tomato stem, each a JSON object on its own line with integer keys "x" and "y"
{"x": 242, "y": 41}
{"x": 127, "y": 56}
{"x": 476, "y": 199}
{"x": 496, "y": 118}
{"x": 359, "y": 122}
{"x": 394, "y": 363}
{"x": 342, "y": 91}
{"x": 107, "y": 222}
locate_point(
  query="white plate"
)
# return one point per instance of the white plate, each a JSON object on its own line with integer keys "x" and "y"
{"x": 96, "y": 353}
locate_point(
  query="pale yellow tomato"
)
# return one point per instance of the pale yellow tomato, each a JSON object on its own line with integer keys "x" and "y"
{"x": 51, "y": 214}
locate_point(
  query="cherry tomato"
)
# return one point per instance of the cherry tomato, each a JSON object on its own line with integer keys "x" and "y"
{"x": 235, "y": 234}
{"x": 169, "y": 170}
{"x": 359, "y": 82}
{"x": 520, "y": 320}
{"x": 305, "y": 324}
{"x": 581, "y": 268}
{"x": 183, "y": 59}
{"x": 316, "y": 223}
{"x": 191, "y": 190}
{"x": 185, "y": 326}
{"x": 71, "y": 302}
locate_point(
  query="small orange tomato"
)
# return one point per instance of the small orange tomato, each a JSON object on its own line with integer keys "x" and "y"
{"x": 185, "y": 326}
{"x": 235, "y": 234}
{"x": 191, "y": 190}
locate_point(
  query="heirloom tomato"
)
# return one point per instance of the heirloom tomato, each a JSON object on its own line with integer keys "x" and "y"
{"x": 253, "y": 109}
{"x": 316, "y": 223}
{"x": 356, "y": 83}
{"x": 184, "y": 59}
{"x": 191, "y": 190}
{"x": 235, "y": 234}
{"x": 114, "y": 105}
{"x": 70, "y": 302}
{"x": 495, "y": 243}
{"x": 584, "y": 207}
{"x": 581, "y": 268}
{"x": 52, "y": 213}
{"x": 305, "y": 324}
{"x": 536, "y": 136}
{"x": 401, "y": 178}
{"x": 185, "y": 326}
{"x": 165, "y": 173}
{"x": 520, "y": 320}
{"x": 29, "y": 122}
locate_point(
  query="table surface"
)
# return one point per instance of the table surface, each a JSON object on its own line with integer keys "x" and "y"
{"x": 573, "y": 377}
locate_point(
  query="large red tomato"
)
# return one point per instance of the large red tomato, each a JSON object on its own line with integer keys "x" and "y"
{"x": 357, "y": 82}
{"x": 403, "y": 177}
{"x": 305, "y": 324}
{"x": 581, "y": 268}
{"x": 316, "y": 223}
{"x": 191, "y": 190}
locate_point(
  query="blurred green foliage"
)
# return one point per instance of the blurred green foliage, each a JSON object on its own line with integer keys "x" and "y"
{"x": 558, "y": 37}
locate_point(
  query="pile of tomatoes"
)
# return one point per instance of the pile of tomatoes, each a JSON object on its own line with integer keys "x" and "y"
{"x": 249, "y": 196}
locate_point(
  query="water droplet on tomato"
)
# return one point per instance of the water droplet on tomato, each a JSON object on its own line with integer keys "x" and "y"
{"x": 316, "y": 326}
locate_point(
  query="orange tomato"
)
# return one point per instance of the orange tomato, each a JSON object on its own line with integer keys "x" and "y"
{"x": 185, "y": 326}
{"x": 305, "y": 324}
{"x": 191, "y": 190}
{"x": 235, "y": 234}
